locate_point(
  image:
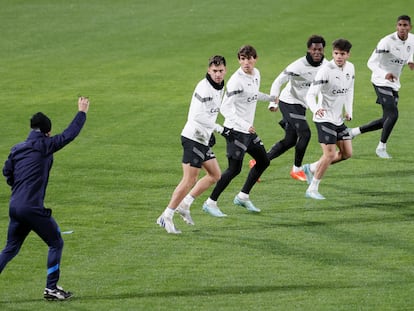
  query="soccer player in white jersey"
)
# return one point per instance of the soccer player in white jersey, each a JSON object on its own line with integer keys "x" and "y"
{"x": 292, "y": 104}
{"x": 392, "y": 53}
{"x": 196, "y": 140}
{"x": 238, "y": 108}
{"x": 334, "y": 87}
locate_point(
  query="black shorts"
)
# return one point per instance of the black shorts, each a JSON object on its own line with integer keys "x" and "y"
{"x": 195, "y": 153}
{"x": 294, "y": 117}
{"x": 239, "y": 143}
{"x": 386, "y": 95}
{"x": 329, "y": 133}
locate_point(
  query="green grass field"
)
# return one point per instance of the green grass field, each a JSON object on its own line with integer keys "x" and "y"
{"x": 139, "y": 61}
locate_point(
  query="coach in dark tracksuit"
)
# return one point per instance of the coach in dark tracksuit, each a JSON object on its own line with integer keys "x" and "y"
{"x": 27, "y": 172}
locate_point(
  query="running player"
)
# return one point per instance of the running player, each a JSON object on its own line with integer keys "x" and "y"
{"x": 238, "y": 109}
{"x": 195, "y": 138}
{"x": 392, "y": 53}
{"x": 291, "y": 102}
{"x": 334, "y": 87}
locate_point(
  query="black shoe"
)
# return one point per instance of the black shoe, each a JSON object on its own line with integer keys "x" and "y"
{"x": 56, "y": 294}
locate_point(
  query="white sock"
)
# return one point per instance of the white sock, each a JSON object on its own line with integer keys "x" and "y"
{"x": 211, "y": 202}
{"x": 314, "y": 186}
{"x": 382, "y": 145}
{"x": 169, "y": 212}
{"x": 296, "y": 169}
{"x": 243, "y": 196}
{"x": 355, "y": 131}
{"x": 189, "y": 199}
{"x": 313, "y": 166}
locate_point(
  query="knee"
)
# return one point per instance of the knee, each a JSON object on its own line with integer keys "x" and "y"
{"x": 215, "y": 177}
{"x": 343, "y": 155}
{"x": 346, "y": 155}
{"x": 391, "y": 114}
{"x": 394, "y": 116}
{"x": 12, "y": 249}
{"x": 305, "y": 135}
{"x": 192, "y": 182}
{"x": 266, "y": 163}
{"x": 57, "y": 244}
{"x": 330, "y": 157}
{"x": 188, "y": 182}
{"x": 13, "y": 246}
{"x": 289, "y": 142}
{"x": 262, "y": 164}
{"x": 235, "y": 171}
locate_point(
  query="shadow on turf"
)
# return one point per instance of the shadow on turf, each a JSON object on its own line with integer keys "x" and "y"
{"x": 378, "y": 173}
{"x": 218, "y": 291}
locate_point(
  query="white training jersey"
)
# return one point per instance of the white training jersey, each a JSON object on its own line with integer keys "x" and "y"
{"x": 334, "y": 88}
{"x": 299, "y": 76}
{"x": 390, "y": 56}
{"x": 239, "y": 102}
{"x": 202, "y": 115}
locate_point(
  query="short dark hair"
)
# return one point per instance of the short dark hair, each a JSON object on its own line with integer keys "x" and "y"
{"x": 404, "y": 18}
{"x": 247, "y": 51}
{"x": 342, "y": 44}
{"x": 315, "y": 39}
{"x": 40, "y": 121}
{"x": 216, "y": 60}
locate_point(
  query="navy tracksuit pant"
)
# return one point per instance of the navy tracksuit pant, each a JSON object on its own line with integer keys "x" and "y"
{"x": 40, "y": 220}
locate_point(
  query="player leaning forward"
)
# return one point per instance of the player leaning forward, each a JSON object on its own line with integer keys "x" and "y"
{"x": 195, "y": 139}
{"x": 392, "y": 53}
{"x": 334, "y": 87}
{"x": 239, "y": 108}
{"x": 291, "y": 101}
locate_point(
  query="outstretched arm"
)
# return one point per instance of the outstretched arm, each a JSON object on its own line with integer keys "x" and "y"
{"x": 59, "y": 141}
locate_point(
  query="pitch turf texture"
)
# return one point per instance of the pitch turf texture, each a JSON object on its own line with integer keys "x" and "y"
{"x": 139, "y": 61}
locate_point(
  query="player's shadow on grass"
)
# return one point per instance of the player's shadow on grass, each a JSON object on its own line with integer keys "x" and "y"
{"x": 378, "y": 173}
{"x": 236, "y": 290}
{"x": 206, "y": 292}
